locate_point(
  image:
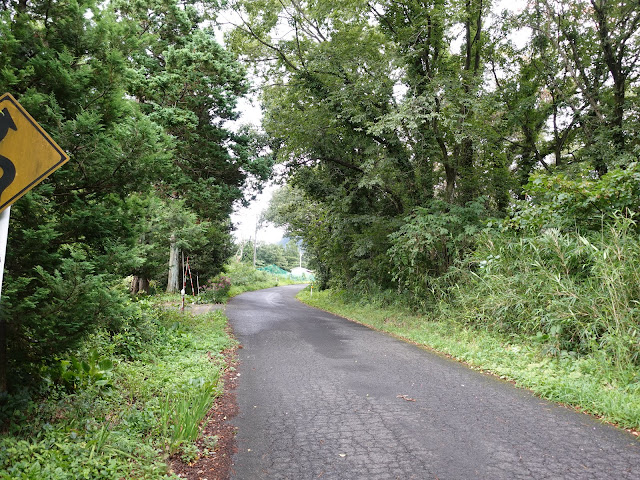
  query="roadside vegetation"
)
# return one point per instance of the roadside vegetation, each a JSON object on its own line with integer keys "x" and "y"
{"x": 129, "y": 397}
{"x": 479, "y": 186}
{"x": 244, "y": 278}
{"x": 555, "y": 312}
{"x": 96, "y": 381}
{"x": 120, "y": 405}
{"x": 236, "y": 278}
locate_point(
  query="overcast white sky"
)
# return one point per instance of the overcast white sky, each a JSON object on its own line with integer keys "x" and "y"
{"x": 244, "y": 218}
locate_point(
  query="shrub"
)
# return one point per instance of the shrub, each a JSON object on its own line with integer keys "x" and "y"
{"x": 123, "y": 431}
{"x": 430, "y": 242}
{"x": 51, "y": 314}
{"x": 96, "y": 371}
{"x": 585, "y": 202}
{"x": 216, "y": 291}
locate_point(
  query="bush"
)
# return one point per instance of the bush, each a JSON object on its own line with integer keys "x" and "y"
{"x": 216, "y": 291}
{"x": 430, "y": 242}
{"x": 126, "y": 430}
{"x": 245, "y": 278}
{"x": 50, "y": 314}
{"x": 244, "y": 275}
{"x": 586, "y": 202}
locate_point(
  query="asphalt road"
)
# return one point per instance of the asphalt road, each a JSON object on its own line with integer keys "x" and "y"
{"x": 322, "y": 397}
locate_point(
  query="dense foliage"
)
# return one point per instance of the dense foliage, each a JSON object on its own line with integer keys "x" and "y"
{"x": 286, "y": 257}
{"x": 138, "y": 93}
{"x": 423, "y": 138}
{"x": 474, "y": 164}
{"x": 141, "y": 398}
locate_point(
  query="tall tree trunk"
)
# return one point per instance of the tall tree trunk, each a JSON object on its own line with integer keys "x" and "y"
{"x": 139, "y": 285}
{"x": 614, "y": 58}
{"x": 173, "y": 281}
{"x": 467, "y": 175}
{"x": 449, "y": 169}
{"x": 254, "y": 252}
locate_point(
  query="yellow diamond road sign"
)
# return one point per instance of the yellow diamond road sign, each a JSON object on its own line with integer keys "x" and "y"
{"x": 28, "y": 155}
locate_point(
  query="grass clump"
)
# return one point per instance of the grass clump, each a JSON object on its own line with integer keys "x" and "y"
{"x": 180, "y": 415}
{"x": 163, "y": 375}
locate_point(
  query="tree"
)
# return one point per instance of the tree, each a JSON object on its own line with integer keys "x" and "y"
{"x": 381, "y": 111}
{"x": 271, "y": 254}
{"x": 72, "y": 236}
{"x": 138, "y": 94}
{"x": 352, "y": 144}
{"x": 294, "y": 255}
{"x": 188, "y": 83}
{"x": 597, "y": 43}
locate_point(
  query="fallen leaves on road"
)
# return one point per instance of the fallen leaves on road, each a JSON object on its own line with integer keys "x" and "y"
{"x": 406, "y": 397}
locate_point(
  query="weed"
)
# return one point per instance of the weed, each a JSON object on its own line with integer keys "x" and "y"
{"x": 94, "y": 370}
{"x": 124, "y": 431}
{"x": 189, "y": 452}
{"x": 591, "y": 381}
{"x": 182, "y": 415}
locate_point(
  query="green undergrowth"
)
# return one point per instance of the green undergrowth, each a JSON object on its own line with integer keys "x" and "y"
{"x": 237, "y": 278}
{"x": 245, "y": 278}
{"x": 590, "y": 382}
{"x": 163, "y": 374}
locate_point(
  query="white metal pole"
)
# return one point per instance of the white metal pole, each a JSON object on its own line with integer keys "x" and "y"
{"x": 4, "y": 233}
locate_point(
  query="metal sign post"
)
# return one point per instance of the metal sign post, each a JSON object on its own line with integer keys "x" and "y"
{"x": 4, "y": 233}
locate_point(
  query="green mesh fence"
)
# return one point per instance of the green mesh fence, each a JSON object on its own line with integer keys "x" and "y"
{"x": 274, "y": 270}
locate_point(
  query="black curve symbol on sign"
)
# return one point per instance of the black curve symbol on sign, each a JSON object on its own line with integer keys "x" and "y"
{"x": 8, "y": 168}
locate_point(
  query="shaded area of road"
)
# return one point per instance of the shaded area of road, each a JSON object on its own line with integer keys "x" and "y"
{"x": 322, "y": 397}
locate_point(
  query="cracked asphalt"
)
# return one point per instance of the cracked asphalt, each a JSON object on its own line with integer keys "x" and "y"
{"x": 322, "y": 397}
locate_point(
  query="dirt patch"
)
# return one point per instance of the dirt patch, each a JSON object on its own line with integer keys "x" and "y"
{"x": 216, "y": 465}
{"x": 197, "y": 308}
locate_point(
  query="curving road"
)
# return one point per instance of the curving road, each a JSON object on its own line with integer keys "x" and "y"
{"x": 322, "y": 397}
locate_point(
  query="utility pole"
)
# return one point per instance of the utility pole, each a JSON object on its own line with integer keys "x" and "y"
{"x": 259, "y": 222}
{"x": 255, "y": 243}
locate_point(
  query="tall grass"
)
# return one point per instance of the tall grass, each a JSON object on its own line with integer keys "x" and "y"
{"x": 575, "y": 294}
{"x": 181, "y": 415}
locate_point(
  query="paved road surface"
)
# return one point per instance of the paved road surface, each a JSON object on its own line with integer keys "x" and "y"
{"x": 321, "y": 397}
